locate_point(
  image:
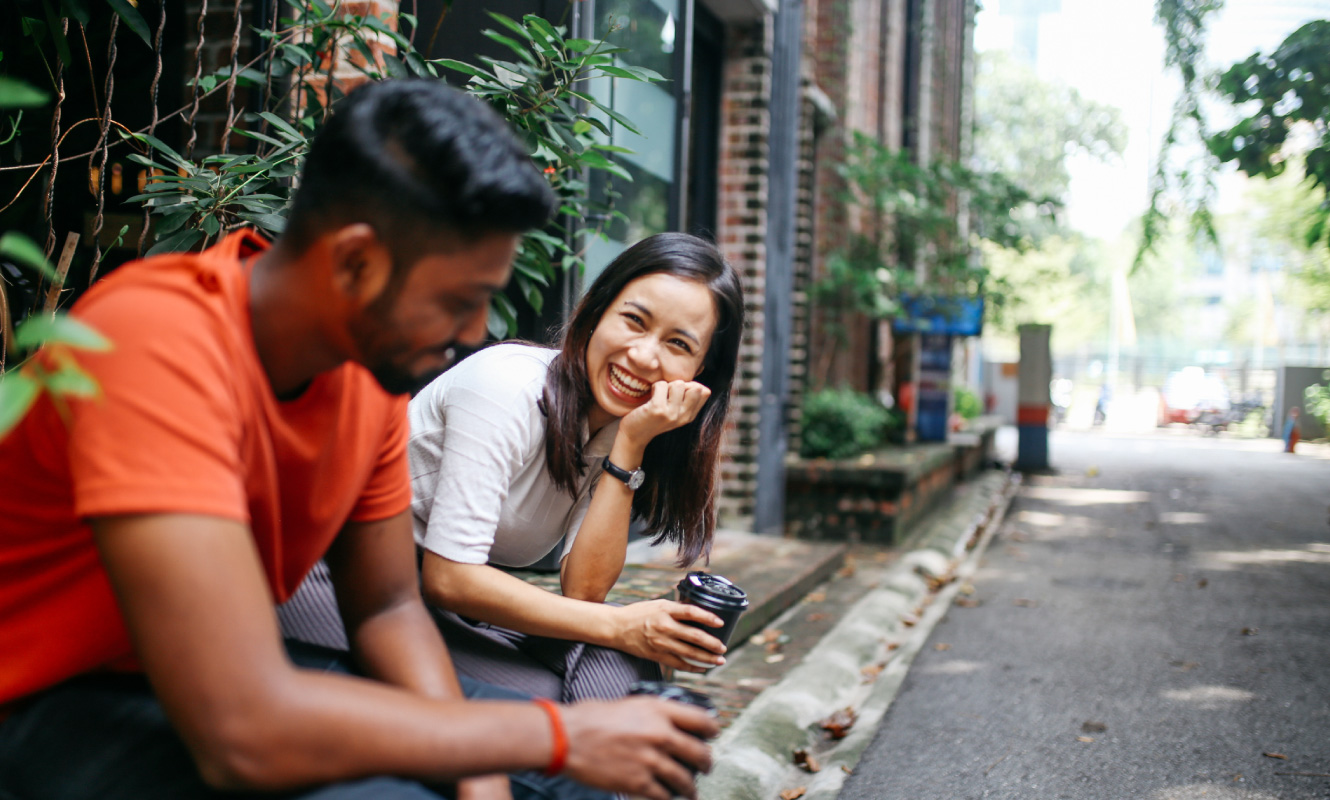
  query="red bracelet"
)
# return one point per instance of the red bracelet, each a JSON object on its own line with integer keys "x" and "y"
{"x": 559, "y": 756}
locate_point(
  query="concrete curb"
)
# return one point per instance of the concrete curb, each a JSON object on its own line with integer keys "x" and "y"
{"x": 886, "y": 628}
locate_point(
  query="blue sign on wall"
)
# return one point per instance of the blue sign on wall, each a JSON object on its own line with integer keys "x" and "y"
{"x": 957, "y": 316}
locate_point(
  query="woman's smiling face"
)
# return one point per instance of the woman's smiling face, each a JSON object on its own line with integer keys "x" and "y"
{"x": 657, "y": 329}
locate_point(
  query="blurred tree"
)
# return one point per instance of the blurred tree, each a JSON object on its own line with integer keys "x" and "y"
{"x": 1026, "y": 128}
{"x": 1180, "y": 181}
{"x": 1288, "y": 95}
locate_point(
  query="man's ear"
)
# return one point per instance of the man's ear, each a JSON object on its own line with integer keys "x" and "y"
{"x": 361, "y": 263}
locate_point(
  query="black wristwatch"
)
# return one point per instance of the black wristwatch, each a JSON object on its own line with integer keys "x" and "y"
{"x": 632, "y": 478}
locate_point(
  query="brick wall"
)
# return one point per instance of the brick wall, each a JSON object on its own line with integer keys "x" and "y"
{"x": 742, "y": 234}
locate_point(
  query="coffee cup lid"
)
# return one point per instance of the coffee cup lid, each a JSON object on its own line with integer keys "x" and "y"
{"x": 715, "y": 588}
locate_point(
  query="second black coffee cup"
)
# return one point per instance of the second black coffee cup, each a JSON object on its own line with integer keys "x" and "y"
{"x": 719, "y": 596}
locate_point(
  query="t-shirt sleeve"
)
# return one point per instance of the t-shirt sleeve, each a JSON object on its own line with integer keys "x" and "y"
{"x": 388, "y": 491}
{"x": 490, "y": 426}
{"x": 164, "y": 434}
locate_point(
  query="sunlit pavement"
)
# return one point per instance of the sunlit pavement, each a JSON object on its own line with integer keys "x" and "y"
{"x": 1152, "y": 622}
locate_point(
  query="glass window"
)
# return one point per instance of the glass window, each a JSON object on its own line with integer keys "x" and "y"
{"x": 648, "y": 29}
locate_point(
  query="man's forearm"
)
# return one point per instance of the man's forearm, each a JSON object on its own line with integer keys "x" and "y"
{"x": 401, "y": 646}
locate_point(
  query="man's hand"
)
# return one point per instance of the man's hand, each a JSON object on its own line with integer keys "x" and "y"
{"x": 655, "y": 630}
{"x": 644, "y": 746}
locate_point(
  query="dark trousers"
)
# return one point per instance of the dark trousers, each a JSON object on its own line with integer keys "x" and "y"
{"x": 106, "y": 737}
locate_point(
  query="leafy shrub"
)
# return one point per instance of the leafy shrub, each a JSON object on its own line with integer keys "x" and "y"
{"x": 968, "y": 404}
{"x": 840, "y": 423}
{"x": 1317, "y": 400}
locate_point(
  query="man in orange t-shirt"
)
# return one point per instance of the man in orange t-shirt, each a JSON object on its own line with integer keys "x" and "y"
{"x": 252, "y": 421}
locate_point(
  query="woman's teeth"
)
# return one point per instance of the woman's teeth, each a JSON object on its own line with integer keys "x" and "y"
{"x": 627, "y": 384}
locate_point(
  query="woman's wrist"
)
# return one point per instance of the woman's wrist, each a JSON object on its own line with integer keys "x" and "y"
{"x": 603, "y": 630}
{"x": 627, "y": 453}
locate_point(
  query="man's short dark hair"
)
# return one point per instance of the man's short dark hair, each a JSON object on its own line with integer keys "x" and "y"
{"x": 422, "y": 163}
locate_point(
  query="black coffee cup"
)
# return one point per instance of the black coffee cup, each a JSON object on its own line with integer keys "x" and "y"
{"x": 719, "y": 596}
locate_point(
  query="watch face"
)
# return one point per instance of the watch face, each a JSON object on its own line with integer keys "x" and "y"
{"x": 636, "y": 478}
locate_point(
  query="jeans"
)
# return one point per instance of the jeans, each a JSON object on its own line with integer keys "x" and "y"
{"x": 106, "y": 737}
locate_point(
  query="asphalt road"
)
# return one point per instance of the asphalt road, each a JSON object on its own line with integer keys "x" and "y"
{"x": 1152, "y": 622}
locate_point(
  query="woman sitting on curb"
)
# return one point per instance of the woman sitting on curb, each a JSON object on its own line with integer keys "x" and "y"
{"x": 520, "y": 447}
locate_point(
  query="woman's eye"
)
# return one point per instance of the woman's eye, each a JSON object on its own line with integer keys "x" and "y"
{"x": 631, "y": 317}
{"x": 680, "y": 343}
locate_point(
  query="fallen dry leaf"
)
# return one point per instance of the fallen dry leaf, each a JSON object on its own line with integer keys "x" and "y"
{"x": 816, "y": 616}
{"x": 767, "y": 636}
{"x": 775, "y": 659}
{"x": 846, "y": 770}
{"x": 892, "y": 646}
{"x": 1090, "y": 726}
{"x": 816, "y": 597}
{"x": 967, "y": 602}
{"x": 941, "y": 646}
{"x": 1275, "y": 755}
{"x": 909, "y": 620}
{"x": 967, "y": 589}
{"x": 1185, "y": 666}
{"x": 1019, "y": 536}
{"x": 1025, "y": 602}
{"x": 871, "y": 671}
{"x": 806, "y": 761}
{"x": 1249, "y": 631}
{"x": 846, "y": 571}
{"x": 1085, "y": 739}
{"x": 839, "y": 723}
{"x": 794, "y": 794}
{"x": 1202, "y": 583}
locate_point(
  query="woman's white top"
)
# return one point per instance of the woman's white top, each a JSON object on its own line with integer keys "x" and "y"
{"x": 480, "y": 490}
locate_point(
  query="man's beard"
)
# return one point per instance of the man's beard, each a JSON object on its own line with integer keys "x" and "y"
{"x": 396, "y": 380}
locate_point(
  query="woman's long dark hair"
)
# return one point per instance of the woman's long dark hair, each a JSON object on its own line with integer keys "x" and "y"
{"x": 678, "y": 502}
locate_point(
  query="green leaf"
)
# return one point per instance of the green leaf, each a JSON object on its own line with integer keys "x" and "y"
{"x": 78, "y": 9}
{"x": 161, "y": 147}
{"x": 578, "y": 45}
{"x": 396, "y": 69}
{"x": 632, "y": 73}
{"x": 581, "y": 126}
{"x": 59, "y": 329}
{"x": 511, "y": 25}
{"x": 502, "y": 317}
{"x": 18, "y": 391}
{"x": 461, "y": 66}
{"x": 281, "y": 124}
{"x": 522, "y": 52}
{"x": 72, "y": 380}
{"x": 171, "y": 223}
{"x": 57, "y": 33}
{"x": 176, "y": 242}
{"x": 544, "y": 27}
{"x": 15, "y": 93}
{"x": 618, "y": 72}
{"x": 132, "y": 18}
{"x": 22, "y": 250}
{"x": 269, "y": 222}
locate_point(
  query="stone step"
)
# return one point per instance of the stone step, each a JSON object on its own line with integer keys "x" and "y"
{"x": 775, "y": 572}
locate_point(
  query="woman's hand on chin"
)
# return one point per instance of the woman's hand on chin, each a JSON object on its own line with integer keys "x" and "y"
{"x": 656, "y": 630}
{"x": 673, "y": 404}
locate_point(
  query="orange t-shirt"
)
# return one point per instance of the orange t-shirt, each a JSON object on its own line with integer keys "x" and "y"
{"x": 187, "y": 423}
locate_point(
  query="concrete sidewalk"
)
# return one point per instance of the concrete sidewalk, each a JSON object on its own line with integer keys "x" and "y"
{"x": 839, "y": 656}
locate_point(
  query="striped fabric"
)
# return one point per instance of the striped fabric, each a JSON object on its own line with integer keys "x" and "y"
{"x": 539, "y": 666}
{"x": 311, "y": 615}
